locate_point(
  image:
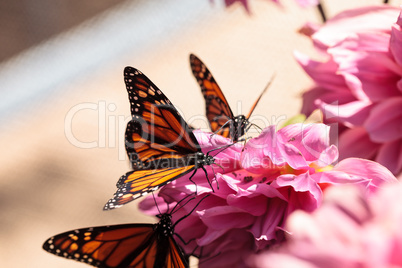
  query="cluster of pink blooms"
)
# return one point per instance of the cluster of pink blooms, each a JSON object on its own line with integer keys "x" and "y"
{"x": 256, "y": 187}
{"x": 359, "y": 86}
{"x": 349, "y": 230}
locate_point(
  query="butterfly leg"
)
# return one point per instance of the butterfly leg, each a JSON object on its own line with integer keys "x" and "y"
{"x": 253, "y": 125}
{"x": 197, "y": 247}
{"x": 188, "y": 242}
{"x": 209, "y": 182}
{"x": 201, "y": 255}
{"x": 223, "y": 147}
{"x": 192, "y": 175}
{"x": 230, "y": 121}
{"x": 203, "y": 259}
{"x": 217, "y": 183}
{"x": 247, "y": 137}
{"x": 188, "y": 214}
{"x": 183, "y": 241}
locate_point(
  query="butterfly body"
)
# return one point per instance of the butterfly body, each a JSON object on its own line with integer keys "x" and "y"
{"x": 240, "y": 124}
{"x": 124, "y": 245}
{"x": 200, "y": 159}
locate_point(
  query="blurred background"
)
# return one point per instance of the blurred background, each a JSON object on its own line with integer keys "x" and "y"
{"x": 64, "y": 107}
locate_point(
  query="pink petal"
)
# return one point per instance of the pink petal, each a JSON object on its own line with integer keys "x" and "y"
{"x": 255, "y": 206}
{"x": 313, "y": 97}
{"x": 227, "y": 185}
{"x": 350, "y": 114}
{"x": 310, "y": 139}
{"x": 384, "y": 123}
{"x": 210, "y": 236}
{"x": 225, "y": 217}
{"x": 323, "y": 73}
{"x": 396, "y": 40}
{"x": 275, "y": 260}
{"x": 301, "y": 142}
{"x": 229, "y": 251}
{"x": 364, "y": 19}
{"x": 327, "y": 157}
{"x": 374, "y": 42}
{"x": 292, "y": 156}
{"x": 245, "y": 179}
{"x": 363, "y": 168}
{"x": 264, "y": 228}
{"x": 305, "y": 194}
{"x": 253, "y": 200}
{"x": 365, "y": 62}
{"x": 355, "y": 142}
{"x": 390, "y": 156}
{"x": 335, "y": 177}
{"x": 260, "y": 152}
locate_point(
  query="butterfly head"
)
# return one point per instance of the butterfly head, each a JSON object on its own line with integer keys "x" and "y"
{"x": 240, "y": 123}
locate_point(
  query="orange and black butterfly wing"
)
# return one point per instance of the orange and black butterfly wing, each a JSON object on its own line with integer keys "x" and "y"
{"x": 175, "y": 257}
{"x": 157, "y": 135}
{"x": 105, "y": 246}
{"x": 217, "y": 108}
{"x": 135, "y": 184}
{"x": 159, "y": 143}
{"x": 127, "y": 245}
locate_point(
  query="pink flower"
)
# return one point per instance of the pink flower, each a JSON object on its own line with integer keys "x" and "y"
{"x": 349, "y": 230}
{"x": 280, "y": 172}
{"x": 359, "y": 86}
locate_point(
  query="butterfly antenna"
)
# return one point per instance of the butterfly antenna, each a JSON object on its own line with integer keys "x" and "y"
{"x": 188, "y": 214}
{"x": 262, "y": 93}
{"x": 156, "y": 204}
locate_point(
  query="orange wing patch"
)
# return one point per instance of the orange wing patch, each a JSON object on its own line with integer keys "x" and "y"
{"x": 125, "y": 245}
{"x": 137, "y": 183}
{"x": 217, "y": 108}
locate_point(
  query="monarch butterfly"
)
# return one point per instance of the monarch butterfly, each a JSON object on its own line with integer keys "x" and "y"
{"x": 159, "y": 143}
{"x": 220, "y": 116}
{"x": 124, "y": 245}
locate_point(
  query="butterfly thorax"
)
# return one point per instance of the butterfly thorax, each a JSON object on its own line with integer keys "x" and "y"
{"x": 240, "y": 124}
{"x": 164, "y": 227}
{"x": 200, "y": 159}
